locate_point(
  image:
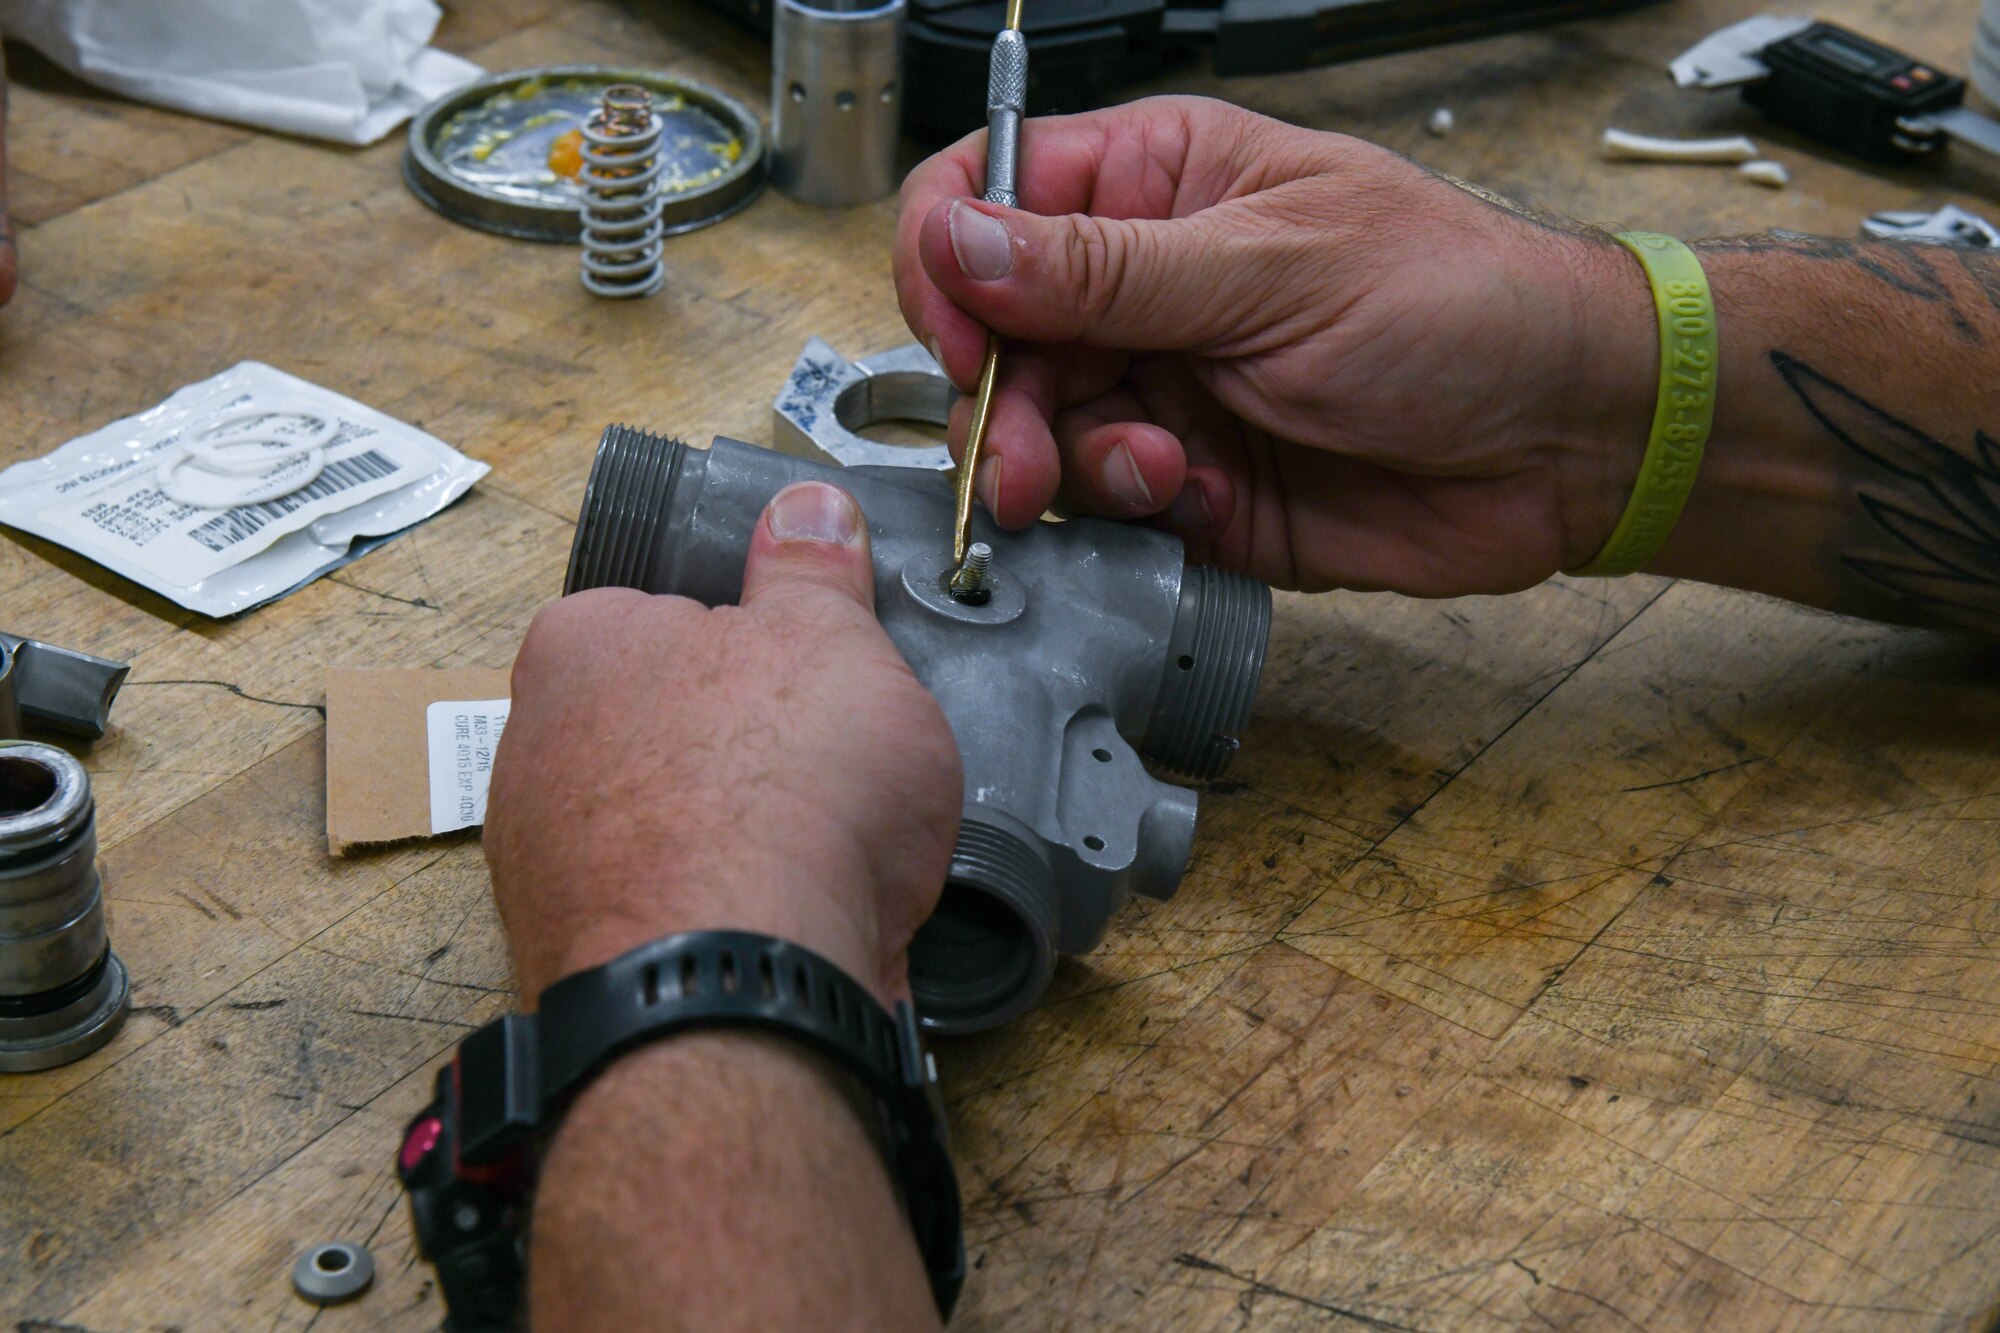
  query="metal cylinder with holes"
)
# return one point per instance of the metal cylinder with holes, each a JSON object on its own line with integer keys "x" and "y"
{"x": 836, "y": 99}
{"x": 63, "y": 993}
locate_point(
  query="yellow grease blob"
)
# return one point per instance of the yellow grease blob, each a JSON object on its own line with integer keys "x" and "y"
{"x": 566, "y": 155}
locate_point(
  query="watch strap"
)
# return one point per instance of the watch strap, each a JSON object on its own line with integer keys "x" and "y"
{"x": 514, "y": 1077}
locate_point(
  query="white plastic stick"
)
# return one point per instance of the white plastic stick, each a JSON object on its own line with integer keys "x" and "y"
{"x": 1766, "y": 172}
{"x": 1620, "y": 146}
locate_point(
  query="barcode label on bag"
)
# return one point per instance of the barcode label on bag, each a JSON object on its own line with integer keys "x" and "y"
{"x": 235, "y": 525}
{"x": 183, "y": 544}
{"x": 340, "y": 479}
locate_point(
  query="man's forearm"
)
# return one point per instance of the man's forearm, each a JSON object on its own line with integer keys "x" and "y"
{"x": 720, "y": 1181}
{"x": 1849, "y": 468}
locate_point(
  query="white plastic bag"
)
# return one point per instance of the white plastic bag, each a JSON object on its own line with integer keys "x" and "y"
{"x": 99, "y": 494}
{"x": 347, "y": 70}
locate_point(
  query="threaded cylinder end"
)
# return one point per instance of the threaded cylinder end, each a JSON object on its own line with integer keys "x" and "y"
{"x": 1215, "y": 661}
{"x": 624, "y": 511}
{"x": 988, "y": 951}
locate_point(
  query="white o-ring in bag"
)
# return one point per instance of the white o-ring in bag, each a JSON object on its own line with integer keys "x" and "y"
{"x": 223, "y": 449}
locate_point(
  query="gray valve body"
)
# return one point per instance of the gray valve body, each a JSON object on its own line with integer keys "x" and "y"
{"x": 1097, "y": 646}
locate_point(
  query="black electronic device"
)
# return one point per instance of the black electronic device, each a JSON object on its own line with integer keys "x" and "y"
{"x": 1081, "y": 52}
{"x": 1855, "y": 94}
{"x": 1846, "y": 90}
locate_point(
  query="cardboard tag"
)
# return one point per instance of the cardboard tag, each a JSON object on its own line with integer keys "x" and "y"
{"x": 378, "y": 749}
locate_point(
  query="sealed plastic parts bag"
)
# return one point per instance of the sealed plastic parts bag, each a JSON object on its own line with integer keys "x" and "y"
{"x": 346, "y": 70}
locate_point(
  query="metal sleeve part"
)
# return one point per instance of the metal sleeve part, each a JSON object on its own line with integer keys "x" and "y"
{"x": 63, "y": 993}
{"x": 836, "y": 99}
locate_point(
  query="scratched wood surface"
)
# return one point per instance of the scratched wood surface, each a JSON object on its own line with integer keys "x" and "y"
{"x": 1614, "y": 954}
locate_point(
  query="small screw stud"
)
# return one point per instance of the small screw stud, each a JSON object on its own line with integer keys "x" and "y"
{"x": 970, "y": 584}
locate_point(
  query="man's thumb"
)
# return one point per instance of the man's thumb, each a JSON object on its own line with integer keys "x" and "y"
{"x": 811, "y": 541}
{"x": 1111, "y": 282}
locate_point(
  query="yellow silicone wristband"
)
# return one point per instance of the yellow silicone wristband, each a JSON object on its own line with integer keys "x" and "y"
{"x": 1689, "y": 352}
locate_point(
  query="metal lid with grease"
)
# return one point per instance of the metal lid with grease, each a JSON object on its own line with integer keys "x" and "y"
{"x": 500, "y": 154}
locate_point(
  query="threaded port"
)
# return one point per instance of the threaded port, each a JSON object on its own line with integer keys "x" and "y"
{"x": 988, "y": 951}
{"x": 1211, "y": 675}
{"x": 624, "y": 509}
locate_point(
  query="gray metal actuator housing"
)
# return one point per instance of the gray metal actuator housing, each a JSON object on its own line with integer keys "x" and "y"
{"x": 1096, "y": 651}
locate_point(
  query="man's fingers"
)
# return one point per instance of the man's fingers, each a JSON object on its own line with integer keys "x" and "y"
{"x": 1109, "y": 282}
{"x": 810, "y": 544}
{"x": 1117, "y": 465}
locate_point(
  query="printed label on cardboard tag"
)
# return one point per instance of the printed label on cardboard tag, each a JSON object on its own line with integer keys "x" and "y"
{"x": 463, "y": 734}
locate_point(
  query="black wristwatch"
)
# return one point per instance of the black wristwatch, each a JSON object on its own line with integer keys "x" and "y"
{"x": 467, "y": 1160}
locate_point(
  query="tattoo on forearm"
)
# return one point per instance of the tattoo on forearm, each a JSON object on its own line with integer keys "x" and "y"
{"x": 1932, "y": 538}
{"x": 1903, "y": 266}
{"x": 1983, "y": 270}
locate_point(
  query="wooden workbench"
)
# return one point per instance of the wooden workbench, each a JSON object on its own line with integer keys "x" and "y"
{"x": 1619, "y": 953}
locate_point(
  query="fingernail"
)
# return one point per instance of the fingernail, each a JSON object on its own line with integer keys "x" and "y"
{"x": 1190, "y": 509}
{"x": 1122, "y": 479}
{"x": 937, "y": 355}
{"x": 987, "y": 483}
{"x": 815, "y": 512}
{"x": 979, "y": 242}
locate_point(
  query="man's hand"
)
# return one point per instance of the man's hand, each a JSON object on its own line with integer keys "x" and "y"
{"x": 772, "y": 767}
{"x": 1311, "y": 359}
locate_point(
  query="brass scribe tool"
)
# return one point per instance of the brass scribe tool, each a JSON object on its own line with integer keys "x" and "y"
{"x": 1006, "y": 97}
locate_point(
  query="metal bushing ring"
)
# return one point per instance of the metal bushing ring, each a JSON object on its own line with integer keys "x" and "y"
{"x": 337, "y": 1271}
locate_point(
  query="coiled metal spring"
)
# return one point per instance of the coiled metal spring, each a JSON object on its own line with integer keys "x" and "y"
{"x": 622, "y": 245}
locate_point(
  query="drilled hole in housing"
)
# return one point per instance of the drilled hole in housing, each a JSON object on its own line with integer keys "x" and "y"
{"x": 900, "y": 407}
{"x": 1186, "y": 663}
{"x": 798, "y": 92}
{"x": 1095, "y": 843}
{"x": 845, "y": 99}
{"x": 25, "y": 784}
{"x": 1101, "y": 756}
